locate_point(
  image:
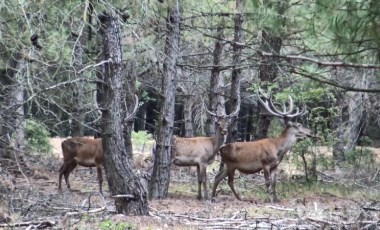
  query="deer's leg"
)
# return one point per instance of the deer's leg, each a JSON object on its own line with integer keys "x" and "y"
{"x": 218, "y": 178}
{"x": 266, "y": 170}
{"x": 70, "y": 167}
{"x": 100, "y": 178}
{"x": 272, "y": 188}
{"x": 60, "y": 175}
{"x": 203, "y": 171}
{"x": 231, "y": 177}
{"x": 199, "y": 178}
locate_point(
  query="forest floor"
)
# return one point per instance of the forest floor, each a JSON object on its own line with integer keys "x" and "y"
{"x": 30, "y": 200}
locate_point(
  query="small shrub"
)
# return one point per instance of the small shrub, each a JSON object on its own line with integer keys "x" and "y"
{"x": 109, "y": 225}
{"x": 360, "y": 157}
{"x": 142, "y": 141}
{"x": 141, "y": 137}
{"x": 37, "y": 137}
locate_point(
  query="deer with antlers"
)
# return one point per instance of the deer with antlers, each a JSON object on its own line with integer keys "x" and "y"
{"x": 85, "y": 152}
{"x": 201, "y": 151}
{"x": 265, "y": 154}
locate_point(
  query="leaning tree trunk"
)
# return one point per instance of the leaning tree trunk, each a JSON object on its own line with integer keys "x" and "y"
{"x": 128, "y": 189}
{"x": 159, "y": 184}
{"x": 268, "y": 68}
{"x": 236, "y": 71}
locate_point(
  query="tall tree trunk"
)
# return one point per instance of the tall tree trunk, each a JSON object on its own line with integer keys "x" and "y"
{"x": 159, "y": 184}
{"x": 130, "y": 188}
{"x": 130, "y": 101}
{"x": 268, "y": 68}
{"x": 188, "y": 114}
{"x": 216, "y": 95}
{"x": 11, "y": 106}
{"x": 77, "y": 112}
{"x": 236, "y": 71}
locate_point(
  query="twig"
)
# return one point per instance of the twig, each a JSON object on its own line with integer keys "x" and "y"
{"x": 371, "y": 209}
{"x": 123, "y": 196}
{"x": 277, "y": 208}
{"x": 83, "y": 212}
{"x": 374, "y": 176}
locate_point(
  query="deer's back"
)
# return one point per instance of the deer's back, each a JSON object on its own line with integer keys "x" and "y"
{"x": 191, "y": 151}
{"x": 86, "y": 151}
{"x": 248, "y": 151}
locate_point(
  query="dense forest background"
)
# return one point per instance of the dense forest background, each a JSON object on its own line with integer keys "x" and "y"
{"x": 181, "y": 57}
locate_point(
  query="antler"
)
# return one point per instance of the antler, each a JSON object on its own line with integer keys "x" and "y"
{"x": 226, "y": 116}
{"x": 271, "y": 108}
{"x": 130, "y": 116}
{"x": 237, "y": 108}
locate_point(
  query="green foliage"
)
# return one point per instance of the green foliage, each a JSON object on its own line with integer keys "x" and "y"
{"x": 109, "y": 225}
{"x": 37, "y": 137}
{"x": 363, "y": 157}
{"x": 141, "y": 137}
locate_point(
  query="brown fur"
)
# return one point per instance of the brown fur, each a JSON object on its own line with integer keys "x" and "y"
{"x": 81, "y": 151}
{"x": 88, "y": 152}
{"x": 200, "y": 152}
{"x": 252, "y": 157}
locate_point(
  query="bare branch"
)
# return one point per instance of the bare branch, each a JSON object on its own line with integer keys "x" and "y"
{"x": 319, "y": 62}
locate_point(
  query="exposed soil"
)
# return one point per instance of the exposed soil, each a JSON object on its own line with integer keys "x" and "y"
{"x": 32, "y": 201}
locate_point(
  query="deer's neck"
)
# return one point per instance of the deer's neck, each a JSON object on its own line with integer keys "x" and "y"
{"x": 218, "y": 141}
{"x": 284, "y": 143}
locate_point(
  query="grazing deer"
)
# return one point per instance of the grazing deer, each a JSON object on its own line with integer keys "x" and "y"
{"x": 265, "y": 154}
{"x": 201, "y": 151}
{"x": 85, "y": 152}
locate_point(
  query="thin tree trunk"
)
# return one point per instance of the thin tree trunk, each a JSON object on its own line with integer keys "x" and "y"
{"x": 77, "y": 113}
{"x": 78, "y": 89}
{"x": 236, "y": 71}
{"x": 159, "y": 184}
{"x": 129, "y": 98}
{"x": 122, "y": 181}
{"x": 188, "y": 115}
{"x": 216, "y": 95}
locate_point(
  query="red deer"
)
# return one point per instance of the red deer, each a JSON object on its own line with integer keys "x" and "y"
{"x": 201, "y": 151}
{"x": 85, "y": 152}
{"x": 265, "y": 154}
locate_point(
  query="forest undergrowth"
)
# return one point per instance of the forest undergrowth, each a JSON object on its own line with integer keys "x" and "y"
{"x": 30, "y": 200}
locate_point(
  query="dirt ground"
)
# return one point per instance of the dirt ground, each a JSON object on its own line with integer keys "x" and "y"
{"x": 30, "y": 200}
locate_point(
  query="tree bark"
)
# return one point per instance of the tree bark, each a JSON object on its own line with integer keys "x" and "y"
{"x": 122, "y": 181}
{"x": 236, "y": 71}
{"x": 216, "y": 95}
{"x": 159, "y": 184}
{"x": 188, "y": 115}
{"x": 77, "y": 112}
{"x": 11, "y": 106}
{"x": 130, "y": 101}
